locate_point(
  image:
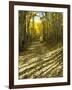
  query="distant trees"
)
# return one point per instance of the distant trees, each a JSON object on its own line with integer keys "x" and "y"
{"x": 50, "y": 29}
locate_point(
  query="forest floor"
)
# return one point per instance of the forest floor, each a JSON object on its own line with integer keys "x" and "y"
{"x": 41, "y": 61}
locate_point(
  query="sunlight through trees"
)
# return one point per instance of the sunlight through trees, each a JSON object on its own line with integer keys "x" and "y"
{"x": 40, "y": 44}
{"x": 45, "y": 26}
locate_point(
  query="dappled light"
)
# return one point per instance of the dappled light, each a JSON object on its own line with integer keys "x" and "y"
{"x": 40, "y": 44}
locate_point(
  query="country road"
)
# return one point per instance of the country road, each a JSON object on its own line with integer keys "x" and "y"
{"x": 39, "y": 62}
